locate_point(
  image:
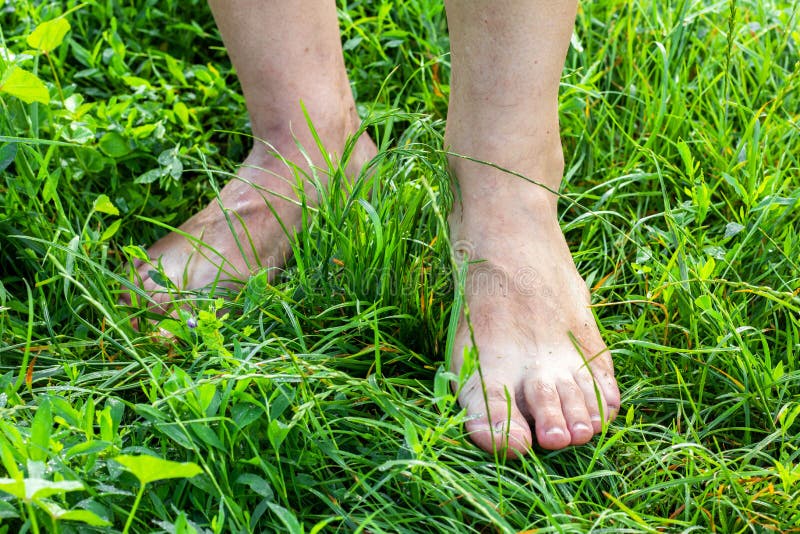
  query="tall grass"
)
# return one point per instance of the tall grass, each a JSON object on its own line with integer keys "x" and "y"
{"x": 320, "y": 401}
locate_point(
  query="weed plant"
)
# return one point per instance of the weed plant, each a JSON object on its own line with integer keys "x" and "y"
{"x": 320, "y": 402}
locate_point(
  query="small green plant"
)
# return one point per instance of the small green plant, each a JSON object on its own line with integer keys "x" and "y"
{"x": 149, "y": 469}
{"x": 31, "y": 486}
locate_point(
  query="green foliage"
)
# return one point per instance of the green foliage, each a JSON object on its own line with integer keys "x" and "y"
{"x": 24, "y": 85}
{"x": 314, "y": 403}
{"x": 48, "y": 35}
{"x": 150, "y": 468}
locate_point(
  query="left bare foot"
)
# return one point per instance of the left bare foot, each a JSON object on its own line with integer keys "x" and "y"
{"x": 545, "y": 367}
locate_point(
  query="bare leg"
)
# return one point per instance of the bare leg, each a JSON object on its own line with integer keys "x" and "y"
{"x": 284, "y": 53}
{"x": 525, "y": 296}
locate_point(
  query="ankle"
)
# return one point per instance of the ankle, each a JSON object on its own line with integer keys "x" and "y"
{"x": 485, "y": 195}
{"x": 330, "y": 113}
{"x": 506, "y": 163}
{"x": 293, "y": 136}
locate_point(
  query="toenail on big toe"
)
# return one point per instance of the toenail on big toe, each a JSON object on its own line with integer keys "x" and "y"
{"x": 554, "y": 432}
{"x": 508, "y": 427}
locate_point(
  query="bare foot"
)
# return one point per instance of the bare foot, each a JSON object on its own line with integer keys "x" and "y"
{"x": 545, "y": 367}
{"x": 240, "y": 233}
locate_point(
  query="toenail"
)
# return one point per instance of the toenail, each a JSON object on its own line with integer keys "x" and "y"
{"x": 555, "y": 432}
{"x": 596, "y": 419}
{"x": 579, "y": 427}
{"x": 507, "y": 426}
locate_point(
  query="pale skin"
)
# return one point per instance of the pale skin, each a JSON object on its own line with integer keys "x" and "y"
{"x": 547, "y": 374}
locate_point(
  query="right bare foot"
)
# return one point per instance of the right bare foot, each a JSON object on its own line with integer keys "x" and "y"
{"x": 243, "y": 230}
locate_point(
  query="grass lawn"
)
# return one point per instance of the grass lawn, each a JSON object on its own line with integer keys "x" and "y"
{"x": 320, "y": 402}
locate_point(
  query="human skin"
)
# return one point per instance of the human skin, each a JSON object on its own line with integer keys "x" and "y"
{"x": 541, "y": 354}
{"x": 546, "y": 371}
{"x": 297, "y": 61}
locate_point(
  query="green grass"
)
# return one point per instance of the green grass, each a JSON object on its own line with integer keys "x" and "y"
{"x": 320, "y": 402}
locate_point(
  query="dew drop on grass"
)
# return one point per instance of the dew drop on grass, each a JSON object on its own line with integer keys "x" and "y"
{"x": 732, "y": 228}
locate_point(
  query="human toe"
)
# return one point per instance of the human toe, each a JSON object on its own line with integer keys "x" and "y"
{"x": 496, "y": 423}
{"x": 576, "y": 411}
{"x": 600, "y": 392}
{"x": 544, "y": 405}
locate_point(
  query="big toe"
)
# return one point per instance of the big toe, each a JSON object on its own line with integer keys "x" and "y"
{"x": 495, "y": 422}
